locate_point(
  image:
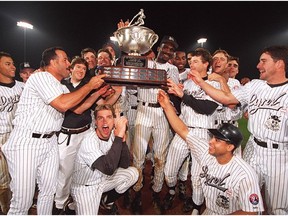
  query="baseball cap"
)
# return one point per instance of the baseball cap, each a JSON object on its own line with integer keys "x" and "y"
{"x": 25, "y": 65}
{"x": 228, "y": 133}
{"x": 169, "y": 39}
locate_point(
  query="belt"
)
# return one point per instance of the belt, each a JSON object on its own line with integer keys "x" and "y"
{"x": 156, "y": 105}
{"x": 37, "y": 135}
{"x": 264, "y": 144}
{"x": 224, "y": 121}
{"x": 133, "y": 107}
{"x": 74, "y": 130}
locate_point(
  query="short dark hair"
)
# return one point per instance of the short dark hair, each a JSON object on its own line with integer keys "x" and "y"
{"x": 5, "y": 54}
{"x": 107, "y": 51}
{"x": 277, "y": 53}
{"x": 234, "y": 58}
{"x": 86, "y": 50}
{"x": 78, "y": 60}
{"x": 204, "y": 54}
{"x": 49, "y": 54}
{"x": 104, "y": 107}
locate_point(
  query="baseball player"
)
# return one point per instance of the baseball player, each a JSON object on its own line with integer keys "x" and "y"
{"x": 10, "y": 91}
{"x": 31, "y": 150}
{"x": 102, "y": 164}
{"x": 25, "y": 71}
{"x": 221, "y": 73}
{"x": 76, "y": 124}
{"x": 229, "y": 184}
{"x": 198, "y": 113}
{"x": 267, "y": 101}
{"x": 151, "y": 120}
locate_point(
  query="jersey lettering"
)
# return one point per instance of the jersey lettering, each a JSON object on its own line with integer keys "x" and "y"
{"x": 214, "y": 181}
{"x": 265, "y": 103}
{"x": 8, "y": 103}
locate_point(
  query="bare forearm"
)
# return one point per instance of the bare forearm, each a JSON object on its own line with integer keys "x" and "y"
{"x": 86, "y": 104}
{"x": 67, "y": 101}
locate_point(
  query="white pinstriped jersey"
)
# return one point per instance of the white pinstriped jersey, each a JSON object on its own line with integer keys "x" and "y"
{"x": 90, "y": 150}
{"x": 122, "y": 102}
{"x": 188, "y": 115}
{"x": 9, "y": 98}
{"x": 268, "y": 110}
{"x": 183, "y": 75}
{"x": 226, "y": 114}
{"x": 227, "y": 187}
{"x": 150, "y": 94}
{"x": 132, "y": 97}
{"x": 34, "y": 112}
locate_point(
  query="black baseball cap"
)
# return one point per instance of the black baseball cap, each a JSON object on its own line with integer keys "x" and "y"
{"x": 171, "y": 40}
{"x": 25, "y": 65}
{"x": 228, "y": 133}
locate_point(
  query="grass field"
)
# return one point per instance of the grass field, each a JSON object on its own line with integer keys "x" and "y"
{"x": 243, "y": 127}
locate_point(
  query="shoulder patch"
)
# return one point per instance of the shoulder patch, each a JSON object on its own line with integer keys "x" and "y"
{"x": 254, "y": 199}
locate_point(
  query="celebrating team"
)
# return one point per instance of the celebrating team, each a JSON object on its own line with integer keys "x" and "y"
{"x": 48, "y": 137}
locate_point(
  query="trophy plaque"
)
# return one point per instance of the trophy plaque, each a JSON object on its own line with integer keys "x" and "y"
{"x": 135, "y": 40}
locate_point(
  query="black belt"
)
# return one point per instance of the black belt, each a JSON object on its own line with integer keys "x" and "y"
{"x": 36, "y": 135}
{"x": 156, "y": 105}
{"x": 74, "y": 131}
{"x": 133, "y": 107}
{"x": 264, "y": 144}
{"x": 223, "y": 121}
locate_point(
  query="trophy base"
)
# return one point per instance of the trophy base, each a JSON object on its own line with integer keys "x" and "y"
{"x": 145, "y": 77}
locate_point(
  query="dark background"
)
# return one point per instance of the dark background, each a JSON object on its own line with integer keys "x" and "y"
{"x": 241, "y": 28}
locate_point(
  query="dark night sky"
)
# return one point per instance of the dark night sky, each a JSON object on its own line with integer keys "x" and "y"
{"x": 241, "y": 28}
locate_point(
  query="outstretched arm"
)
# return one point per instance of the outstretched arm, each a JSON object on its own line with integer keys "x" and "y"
{"x": 226, "y": 98}
{"x": 176, "y": 123}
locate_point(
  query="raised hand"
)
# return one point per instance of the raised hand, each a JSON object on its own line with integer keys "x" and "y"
{"x": 163, "y": 99}
{"x": 96, "y": 81}
{"x": 120, "y": 125}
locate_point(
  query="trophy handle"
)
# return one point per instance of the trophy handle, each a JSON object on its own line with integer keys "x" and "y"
{"x": 154, "y": 39}
{"x": 117, "y": 34}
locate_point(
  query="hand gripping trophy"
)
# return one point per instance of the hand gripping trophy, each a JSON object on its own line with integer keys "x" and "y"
{"x": 135, "y": 40}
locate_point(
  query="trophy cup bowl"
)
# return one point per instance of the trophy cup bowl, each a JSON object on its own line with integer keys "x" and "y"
{"x": 135, "y": 40}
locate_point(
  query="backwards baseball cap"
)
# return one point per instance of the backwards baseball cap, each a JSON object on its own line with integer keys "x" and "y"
{"x": 171, "y": 40}
{"x": 228, "y": 133}
{"x": 25, "y": 65}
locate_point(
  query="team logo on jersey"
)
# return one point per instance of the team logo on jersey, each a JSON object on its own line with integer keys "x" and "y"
{"x": 254, "y": 199}
{"x": 222, "y": 201}
{"x": 273, "y": 123}
{"x": 8, "y": 103}
{"x": 265, "y": 104}
{"x": 213, "y": 181}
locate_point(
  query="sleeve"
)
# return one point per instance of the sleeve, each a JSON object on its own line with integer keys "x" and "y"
{"x": 198, "y": 146}
{"x": 47, "y": 86}
{"x": 205, "y": 107}
{"x": 108, "y": 163}
{"x": 250, "y": 198}
{"x": 125, "y": 156}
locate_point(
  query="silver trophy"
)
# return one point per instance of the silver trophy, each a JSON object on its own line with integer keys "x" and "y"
{"x": 135, "y": 40}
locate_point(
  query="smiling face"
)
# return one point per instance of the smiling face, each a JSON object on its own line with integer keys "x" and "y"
{"x": 78, "y": 72}
{"x": 91, "y": 59}
{"x": 266, "y": 67}
{"x": 180, "y": 60}
{"x": 219, "y": 148}
{"x": 219, "y": 63}
{"x": 7, "y": 69}
{"x": 165, "y": 52}
{"x": 104, "y": 121}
